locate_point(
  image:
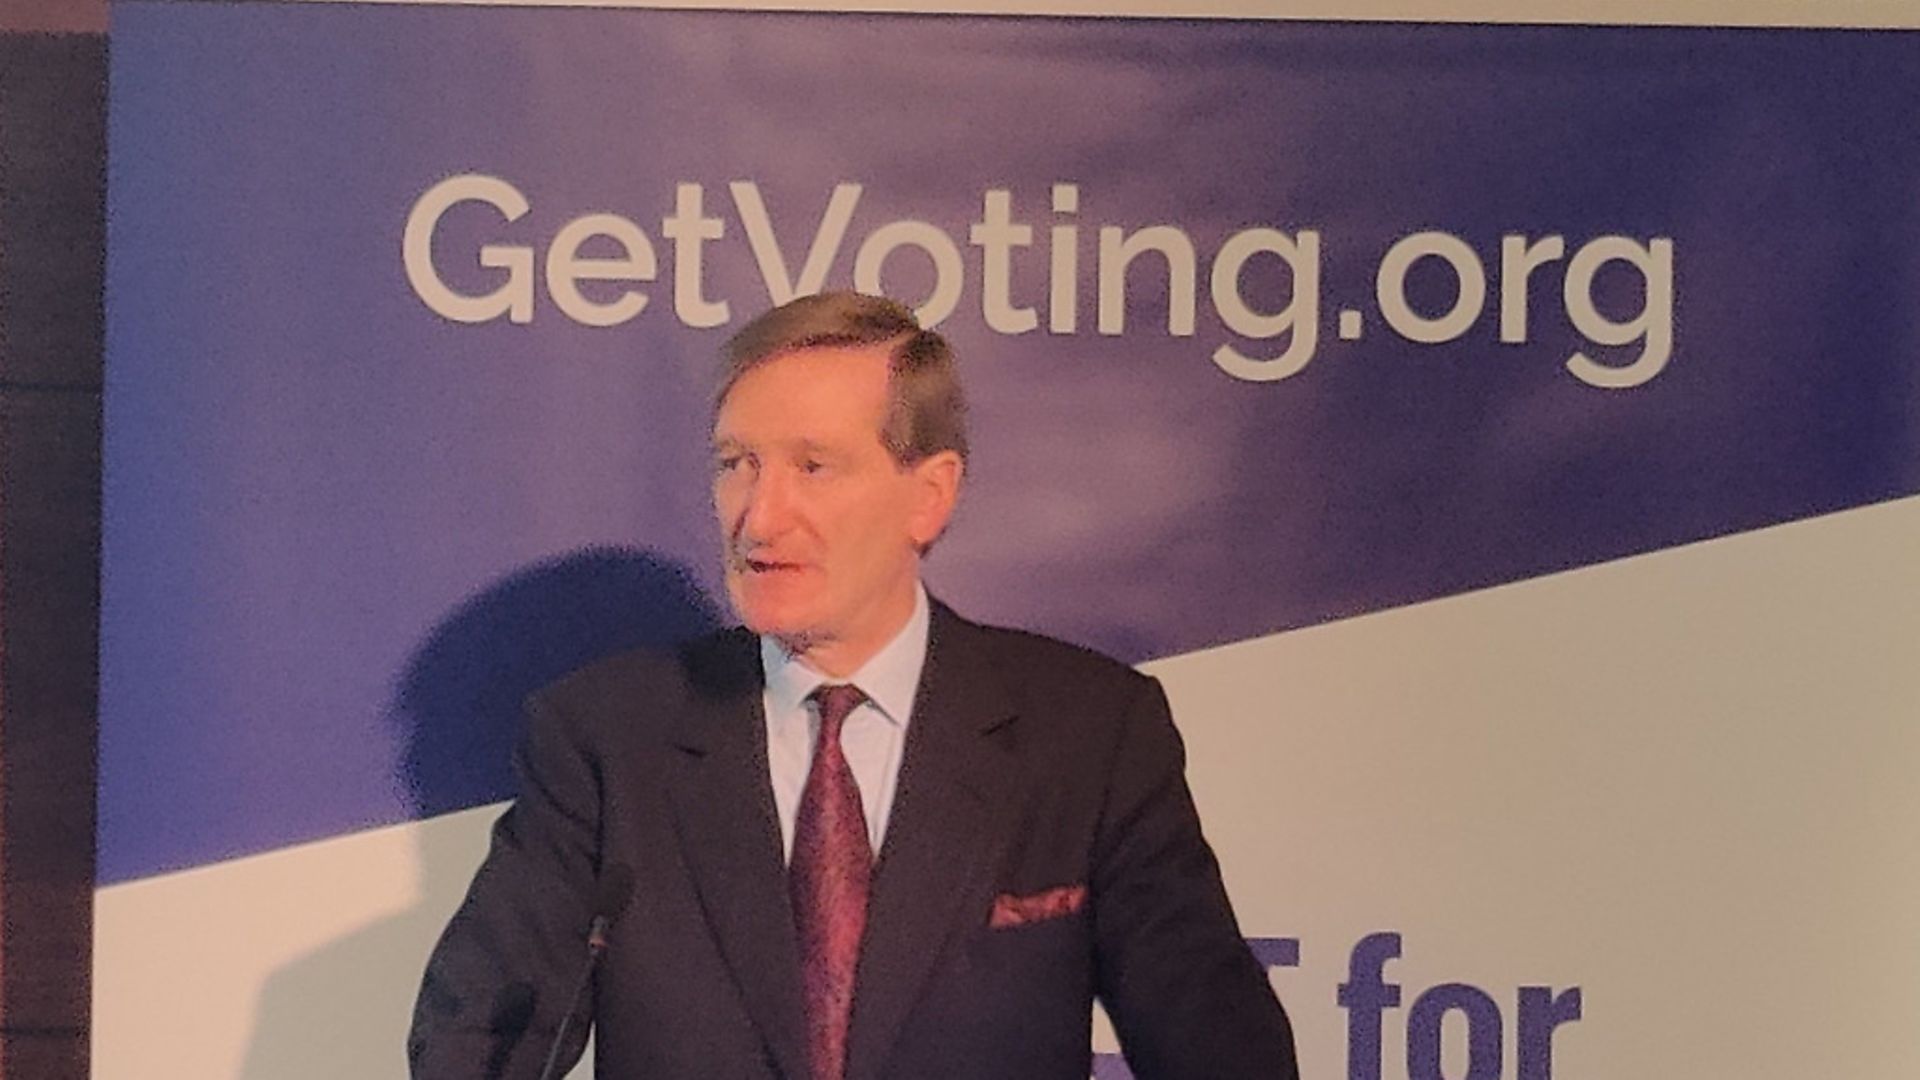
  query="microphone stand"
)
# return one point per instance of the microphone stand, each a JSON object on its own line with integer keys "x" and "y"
{"x": 596, "y": 944}
{"x": 614, "y": 893}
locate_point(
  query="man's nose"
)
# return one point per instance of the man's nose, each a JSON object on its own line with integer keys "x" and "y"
{"x": 768, "y": 508}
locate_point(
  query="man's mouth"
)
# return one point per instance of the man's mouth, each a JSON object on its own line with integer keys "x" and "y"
{"x": 766, "y": 566}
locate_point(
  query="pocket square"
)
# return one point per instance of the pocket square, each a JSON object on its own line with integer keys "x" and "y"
{"x": 1010, "y": 910}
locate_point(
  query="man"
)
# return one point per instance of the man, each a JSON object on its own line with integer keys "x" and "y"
{"x": 993, "y": 829}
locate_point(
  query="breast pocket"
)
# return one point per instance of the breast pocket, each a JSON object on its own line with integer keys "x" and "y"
{"x": 1053, "y": 950}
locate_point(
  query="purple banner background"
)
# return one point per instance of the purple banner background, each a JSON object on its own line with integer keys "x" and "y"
{"x": 343, "y": 535}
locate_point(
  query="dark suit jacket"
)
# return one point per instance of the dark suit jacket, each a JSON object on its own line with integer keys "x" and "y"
{"x": 1029, "y": 765}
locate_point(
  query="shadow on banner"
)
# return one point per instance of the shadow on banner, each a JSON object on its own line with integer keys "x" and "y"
{"x": 458, "y": 708}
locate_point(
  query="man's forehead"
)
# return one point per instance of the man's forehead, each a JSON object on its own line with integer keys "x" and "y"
{"x": 816, "y": 389}
{"x": 726, "y": 440}
{"x": 840, "y": 363}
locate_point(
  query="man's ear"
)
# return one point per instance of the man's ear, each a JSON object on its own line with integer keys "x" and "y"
{"x": 936, "y": 489}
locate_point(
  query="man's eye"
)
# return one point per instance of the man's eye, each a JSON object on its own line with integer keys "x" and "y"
{"x": 810, "y": 466}
{"x": 727, "y": 463}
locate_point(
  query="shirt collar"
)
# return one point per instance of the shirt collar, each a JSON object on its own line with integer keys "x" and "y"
{"x": 889, "y": 678}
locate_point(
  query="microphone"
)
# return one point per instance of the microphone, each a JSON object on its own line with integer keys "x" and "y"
{"x": 611, "y": 895}
{"x": 610, "y": 899}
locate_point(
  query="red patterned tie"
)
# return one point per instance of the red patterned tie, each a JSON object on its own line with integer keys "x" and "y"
{"x": 831, "y": 870}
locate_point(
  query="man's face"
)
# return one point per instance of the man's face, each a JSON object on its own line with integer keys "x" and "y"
{"x": 821, "y": 526}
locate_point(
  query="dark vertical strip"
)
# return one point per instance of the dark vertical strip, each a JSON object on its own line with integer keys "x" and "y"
{"x": 52, "y": 197}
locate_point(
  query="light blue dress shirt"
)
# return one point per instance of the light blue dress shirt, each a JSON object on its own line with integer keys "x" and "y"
{"x": 873, "y": 736}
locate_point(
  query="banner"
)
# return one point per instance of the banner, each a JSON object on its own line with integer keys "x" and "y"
{"x": 1277, "y": 337}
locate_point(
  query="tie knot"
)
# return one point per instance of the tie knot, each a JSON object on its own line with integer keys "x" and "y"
{"x": 836, "y": 701}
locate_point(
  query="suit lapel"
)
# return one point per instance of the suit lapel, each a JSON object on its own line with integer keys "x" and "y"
{"x": 958, "y": 782}
{"x": 730, "y": 835}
